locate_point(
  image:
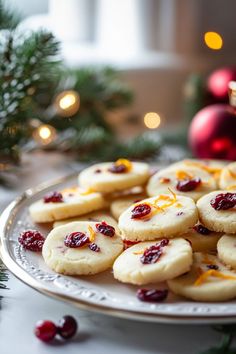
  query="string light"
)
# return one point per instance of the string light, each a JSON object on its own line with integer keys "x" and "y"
{"x": 213, "y": 40}
{"x": 44, "y": 134}
{"x": 152, "y": 120}
{"x": 67, "y": 103}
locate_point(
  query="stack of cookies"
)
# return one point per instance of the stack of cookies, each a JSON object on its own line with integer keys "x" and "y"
{"x": 177, "y": 226}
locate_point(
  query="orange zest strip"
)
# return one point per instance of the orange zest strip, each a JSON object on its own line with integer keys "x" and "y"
{"x": 232, "y": 174}
{"x": 125, "y": 162}
{"x": 204, "y": 167}
{"x": 212, "y": 273}
{"x": 92, "y": 234}
{"x": 180, "y": 175}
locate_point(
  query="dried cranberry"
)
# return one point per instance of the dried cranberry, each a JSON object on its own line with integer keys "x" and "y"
{"x": 67, "y": 327}
{"x": 53, "y": 197}
{"x": 180, "y": 213}
{"x": 188, "y": 185}
{"x": 152, "y": 295}
{"x": 31, "y": 240}
{"x": 94, "y": 247}
{"x": 105, "y": 229}
{"x": 45, "y": 330}
{"x": 140, "y": 211}
{"x": 202, "y": 229}
{"x": 98, "y": 170}
{"x": 223, "y": 201}
{"x": 128, "y": 243}
{"x": 117, "y": 168}
{"x": 153, "y": 253}
{"x": 76, "y": 239}
{"x": 212, "y": 266}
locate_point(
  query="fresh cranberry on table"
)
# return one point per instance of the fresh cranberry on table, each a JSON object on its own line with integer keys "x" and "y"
{"x": 223, "y": 201}
{"x": 94, "y": 247}
{"x": 187, "y": 185}
{"x": 152, "y": 295}
{"x": 152, "y": 254}
{"x": 31, "y": 240}
{"x": 45, "y": 330}
{"x": 67, "y": 327}
{"x": 117, "y": 168}
{"x": 53, "y": 197}
{"x": 106, "y": 229}
{"x": 202, "y": 230}
{"x": 141, "y": 210}
{"x": 76, "y": 239}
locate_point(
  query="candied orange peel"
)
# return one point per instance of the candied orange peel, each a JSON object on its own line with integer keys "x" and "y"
{"x": 92, "y": 233}
{"x": 212, "y": 273}
{"x": 127, "y": 163}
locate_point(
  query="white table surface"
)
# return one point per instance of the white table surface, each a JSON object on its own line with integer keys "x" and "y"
{"x": 23, "y": 306}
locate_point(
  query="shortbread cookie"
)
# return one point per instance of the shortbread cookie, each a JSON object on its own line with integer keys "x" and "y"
{"x": 228, "y": 177}
{"x": 226, "y": 248}
{"x": 109, "y": 177}
{"x": 95, "y": 216}
{"x": 208, "y": 280}
{"x": 149, "y": 262}
{"x": 81, "y": 248}
{"x": 217, "y": 211}
{"x": 65, "y": 204}
{"x": 157, "y": 217}
{"x": 202, "y": 239}
{"x": 118, "y": 206}
{"x": 190, "y": 182}
{"x": 211, "y": 166}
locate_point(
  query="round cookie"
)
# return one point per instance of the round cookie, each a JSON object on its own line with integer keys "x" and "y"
{"x": 216, "y": 220}
{"x": 211, "y": 166}
{"x": 208, "y": 280}
{"x": 176, "y": 259}
{"x": 226, "y": 248}
{"x": 168, "y": 216}
{"x": 109, "y": 177}
{"x": 118, "y": 206}
{"x": 228, "y": 177}
{"x": 67, "y": 204}
{"x": 202, "y": 239}
{"x": 80, "y": 260}
{"x": 188, "y": 181}
{"x": 95, "y": 216}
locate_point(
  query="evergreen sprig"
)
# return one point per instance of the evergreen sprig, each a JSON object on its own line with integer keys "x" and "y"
{"x": 9, "y": 19}
{"x": 228, "y": 332}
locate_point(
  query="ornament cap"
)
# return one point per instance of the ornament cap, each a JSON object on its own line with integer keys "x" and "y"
{"x": 232, "y": 93}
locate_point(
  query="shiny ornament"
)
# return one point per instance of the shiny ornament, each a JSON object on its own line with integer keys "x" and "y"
{"x": 217, "y": 83}
{"x": 212, "y": 133}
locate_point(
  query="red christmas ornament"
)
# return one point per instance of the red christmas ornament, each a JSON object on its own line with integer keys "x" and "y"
{"x": 217, "y": 83}
{"x": 212, "y": 133}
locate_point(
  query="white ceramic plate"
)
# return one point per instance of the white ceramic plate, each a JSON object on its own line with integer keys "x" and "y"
{"x": 101, "y": 293}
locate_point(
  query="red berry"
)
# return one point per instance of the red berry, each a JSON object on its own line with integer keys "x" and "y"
{"x": 202, "y": 229}
{"x": 94, "y": 247}
{"x": 152, "y": 254}
{"x": 140, "y": 211}
{"x": 152, "y": 295}
{"x": 67, "y": 327}
{"x": 31, "y": 240}
{"x": 76, "y": 239}
{"x": 118, "y": 168}
{"x": 223, "y": 201}
{"x": 45, "y": 330}
{"x": 106, "y": 229}
{"x": 53, "y": 197}
{"x": 188, "y": 185}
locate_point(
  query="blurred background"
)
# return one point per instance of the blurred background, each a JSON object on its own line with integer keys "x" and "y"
{"x": 164, "y": 52}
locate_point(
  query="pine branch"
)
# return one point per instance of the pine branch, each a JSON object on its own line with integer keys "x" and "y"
{"x": 9, "y": 19}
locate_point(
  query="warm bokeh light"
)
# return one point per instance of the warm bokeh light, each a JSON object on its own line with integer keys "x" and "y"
{"x": 44, "y": 134}
{"x": 67, "y": 103}
{"x": 152, "y": 120}
{"x": 213, "y": 40}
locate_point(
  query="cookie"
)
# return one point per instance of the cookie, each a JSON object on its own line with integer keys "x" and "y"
{"x": 149, "y": 262}
{"x": 110, "y": 177}
{"x": 65, "y": 204}
{"x": 95, "y": 216}
{"x": 80, "y": 248}
{"x": 226, "y": 248}
{"x": 228, "y": 177}
{"x": 202, "y": 239}
{"x": 211, "y": 166}
{"x": 188, "y": 181}
{"x": 158, "y": 217}
{"x": 213, "y": 216}
{"x": 118, "y": 206}
{"x": 208, "y": 280}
